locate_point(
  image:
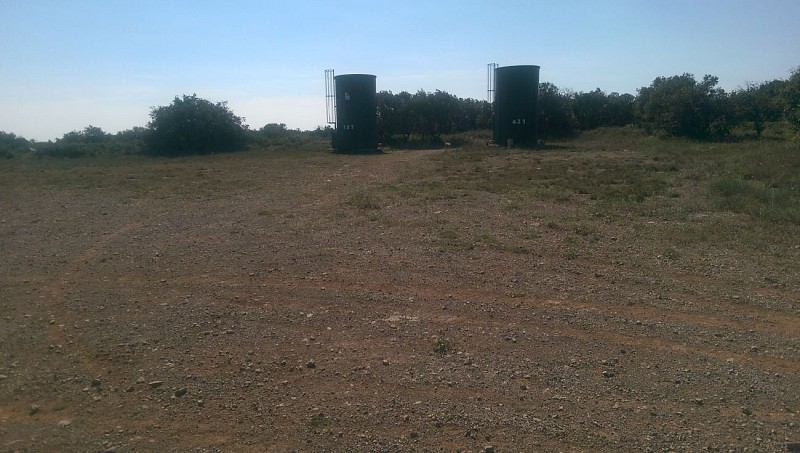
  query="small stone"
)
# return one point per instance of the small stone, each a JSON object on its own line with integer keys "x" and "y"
{"x": 64, "y": 423}
{"x": 35, "y": 408}
{"x": 96, "y": 382}
{"x": 311, "y": 364}
{"x": 180, "y": 392}
{"x": 155, "y": 384}
{"x": 488, "y": 449}
{"x": 201, "y": 403}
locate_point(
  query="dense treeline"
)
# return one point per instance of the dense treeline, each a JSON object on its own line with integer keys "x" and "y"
{"x": 676, "y": 106}
{"x": 428, "y": 116}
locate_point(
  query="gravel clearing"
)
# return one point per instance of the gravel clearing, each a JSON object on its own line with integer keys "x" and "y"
{"x": 278, "y": 316}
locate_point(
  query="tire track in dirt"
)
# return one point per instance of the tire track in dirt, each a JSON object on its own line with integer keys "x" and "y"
{"x": 280, "y": 285}
{"x": 768, "y": 322}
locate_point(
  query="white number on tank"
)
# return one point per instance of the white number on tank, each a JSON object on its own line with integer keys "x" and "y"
{"x": 348, "y": 127}
{"x": 518, "y": 121}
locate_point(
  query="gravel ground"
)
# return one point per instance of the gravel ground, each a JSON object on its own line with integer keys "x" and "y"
{"x": 278, "y": 316}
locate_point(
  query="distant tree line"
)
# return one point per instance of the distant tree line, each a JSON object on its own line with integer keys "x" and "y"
{"x": 676, "y": 106}
{"x": 428, "y": 115}
{"x": 189, "y": 125}
{"x": 11, "y": 143}
{"x": 680, "y": 106}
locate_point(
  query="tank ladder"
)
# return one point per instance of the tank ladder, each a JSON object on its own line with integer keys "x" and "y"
{"x": 330, "y": 97}
{"x": 491, "y": 85}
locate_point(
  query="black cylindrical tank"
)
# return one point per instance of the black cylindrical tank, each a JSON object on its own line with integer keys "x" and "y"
{"x": 356, "y": 114}
{"x": 516, "y": 101}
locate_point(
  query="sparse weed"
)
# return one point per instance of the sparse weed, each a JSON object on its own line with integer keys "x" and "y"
{"x": 441, "y": 344}
{"x": 362, "y": 198}
{"x": 318, "y": 421}
{"x": 452, "y": 239}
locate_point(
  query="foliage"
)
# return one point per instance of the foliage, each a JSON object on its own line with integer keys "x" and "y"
{"x": 556, "y": 115}
{"x": 790, "y": 100}
{"x": 428, "y": 116}
{"x": 93, "y": 141}
{"x": 191, "y": 125}
{"x": 89, "y": 135}
{"x": 89, "y": 142}
{"x": 272, "y": 134}
{"x": 757, "y": 104}
{"x": 10, "y": 144}
{"x": 597, "y": 109}
{"x": 680, "y": 106}
{"x": 277, "y": 135}
{"x": 130, "y": 141}
{"x": 441, "y": 344}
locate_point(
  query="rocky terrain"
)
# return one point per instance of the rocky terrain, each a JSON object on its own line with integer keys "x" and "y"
{"x": 270, "y": 302}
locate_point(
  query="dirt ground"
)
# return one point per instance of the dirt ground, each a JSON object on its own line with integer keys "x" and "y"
{"x": 250, "y": 304}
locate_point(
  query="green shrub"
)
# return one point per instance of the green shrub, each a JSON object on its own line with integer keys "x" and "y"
{"x": 191, "y": 125}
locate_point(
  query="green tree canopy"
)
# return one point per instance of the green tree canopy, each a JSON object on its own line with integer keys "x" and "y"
{"x": 9, "y": 140}
{"x": 790, "y": 99}
{"x": 598, "y": 109}
{"x": 680, "y": 106}
{"x": 556, "y": 115}
{"x": 89, "y": 135}
{"x": 428, "y": 114}
{"x": 757, "y": 104}
{"x": 191, "y": 125}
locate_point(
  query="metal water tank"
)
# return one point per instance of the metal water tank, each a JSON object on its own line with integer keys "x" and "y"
{"x": 356, "y": 114}
{"x": 516, "y": 102}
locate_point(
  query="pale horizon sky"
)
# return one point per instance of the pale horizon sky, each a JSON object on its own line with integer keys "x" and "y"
{"x": 69, "y": 64}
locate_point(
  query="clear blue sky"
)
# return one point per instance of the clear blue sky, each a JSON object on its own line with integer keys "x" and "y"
{"x": 67, "y": 64}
